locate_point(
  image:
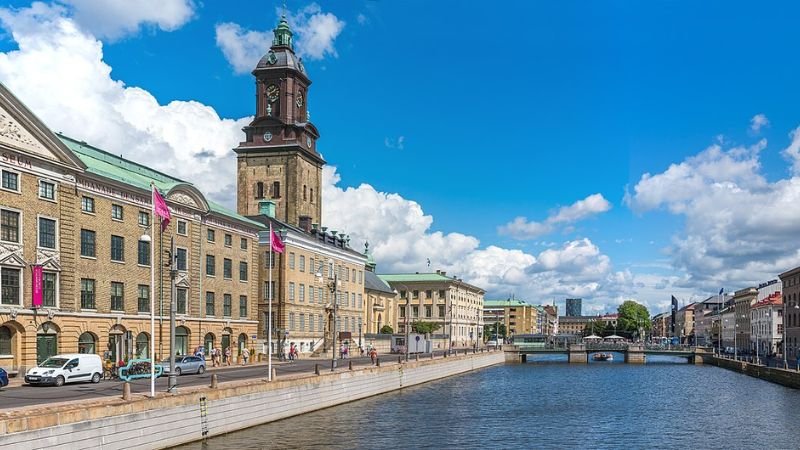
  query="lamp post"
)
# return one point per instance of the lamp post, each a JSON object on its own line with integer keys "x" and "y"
{"x": 146, "y": 238}
{"x": 333, "y": 286}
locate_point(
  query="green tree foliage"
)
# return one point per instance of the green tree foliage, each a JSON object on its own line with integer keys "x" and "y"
{"x": 596, "y": 326}
{"x": 489, "y": 330}
{"x": 386, "y": 329}
{"x": 632, "y": 316}
{"x": 424, "y": 327}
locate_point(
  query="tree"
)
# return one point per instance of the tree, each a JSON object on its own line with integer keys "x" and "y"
{"x": 632, "y": 316}
{"x": 595, "y": 326}
{"x": 489, "y": 330}
{"x": 424, "y": 327}
{"x": 386, "y": 329}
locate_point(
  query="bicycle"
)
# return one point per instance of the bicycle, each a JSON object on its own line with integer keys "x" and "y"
{"x": 111, "y": 373}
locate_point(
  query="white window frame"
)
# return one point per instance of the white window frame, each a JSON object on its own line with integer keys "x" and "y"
{"x": 19, "y": 181}
{"x": 58, "y": 289}
{"x": 19, "y": 226}
{"x": 122, "y": 212}
{"x": 188, "y": 264}
{"x": 55, "y": 190}
{"x": 94, "y": 205}
{"x": 186, "y": 227}
{"x": 40, "y": 216}
{"x": 21, "y": 284}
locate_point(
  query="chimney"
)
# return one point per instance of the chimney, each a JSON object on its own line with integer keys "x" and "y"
{"x": 305, "y": 223}
{"x": 444, "y": 273}
{"x": 266, "y": 208}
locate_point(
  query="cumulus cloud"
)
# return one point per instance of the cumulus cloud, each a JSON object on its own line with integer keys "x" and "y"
{"x": 114, "y": 19}
{"x": 521, "y": 228}
{"x": 757, "y": 122}
{"x": 315, "y": 33}
{"x": 736, "y": 222}
{"x": 184, "y": 138}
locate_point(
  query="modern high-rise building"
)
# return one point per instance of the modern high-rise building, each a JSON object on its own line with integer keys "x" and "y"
{"x": 574, "y": 307}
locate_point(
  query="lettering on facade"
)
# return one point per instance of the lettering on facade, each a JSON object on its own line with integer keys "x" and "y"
{"x": 112, "y": 192}
{"x": 17, "y": 160}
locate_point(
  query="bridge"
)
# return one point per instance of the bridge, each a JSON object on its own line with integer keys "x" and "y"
{"x": 635, "y": 353}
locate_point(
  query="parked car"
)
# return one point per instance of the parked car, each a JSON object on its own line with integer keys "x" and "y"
{"x": 491, "y": 343}
{"x": 69, "y": 368}
{"x": 3, "y": 377}
{"x": 185, "y": 364}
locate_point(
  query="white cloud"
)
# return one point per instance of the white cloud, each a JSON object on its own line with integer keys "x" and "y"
{"x": 361, "y": 19}
{"x": 77, "y": 95}
{"x": 737, "y": 223}
{"x": 394, "y": 143}
{"x": 242, "y": 48}
{"x": 113, "y": 19}
{"x": 521, "y": 228}
{"x": 757, "y": 122}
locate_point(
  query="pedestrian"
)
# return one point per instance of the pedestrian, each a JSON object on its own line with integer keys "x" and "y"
{"x": 373, "y": 355}
{"x": 213, "y": 354}
{"x": 245, "y": 355}
{"x": 219, "y": 356}
{"x": 291, "y": 352}
{"x": 361, "y": 349}
{"x": 228, "y": 356}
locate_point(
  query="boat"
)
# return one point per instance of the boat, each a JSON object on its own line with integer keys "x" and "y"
{"x": 603, "y": 357}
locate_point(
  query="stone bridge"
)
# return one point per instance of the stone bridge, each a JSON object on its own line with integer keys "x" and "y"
{"x": 635, "y": 353}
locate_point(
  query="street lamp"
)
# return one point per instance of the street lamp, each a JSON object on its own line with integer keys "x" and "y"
{"x": 333, "y": 286}
{"x": 408, "y": 313}
{"x": 146, "y": 238}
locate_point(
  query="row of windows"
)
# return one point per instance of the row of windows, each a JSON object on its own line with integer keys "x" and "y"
{"x": 428, "y": 311}
{"x": 320, "y": 295}
{"x": 11, "y": 287}
{"x": 10, "y": 182}
{"x": 10, "y": 229}
{"x": 226, "y": 305}
{"x": 326, "y": 270}
{"x": 276, "y": 191}
{"x": 211, "y": 268}
{"x": 428, "y": 294}
{"x": 346, "y": 323}
{"x": 211, "y": 236}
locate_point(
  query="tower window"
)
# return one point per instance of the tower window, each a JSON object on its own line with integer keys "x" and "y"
{"x": 305, "y": 196}
{"x": 312, "y": 195}
{"x": 259, "y": 190}
{"x": 276, "y": 189}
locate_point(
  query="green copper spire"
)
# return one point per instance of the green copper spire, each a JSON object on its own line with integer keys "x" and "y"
{"x": 283, "y": 35}
{"x": 370, "y": 260}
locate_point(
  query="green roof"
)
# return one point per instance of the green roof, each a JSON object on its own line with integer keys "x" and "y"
{"x": 507, "y": 302}
{"x": 102, "y": 163}
{"x": 414, "y": 277}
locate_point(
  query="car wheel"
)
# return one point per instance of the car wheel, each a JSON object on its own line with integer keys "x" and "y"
{"x": 178, "y": 371}
{"x": 96, "y": 378}
{"x": 59, "y": 381}
{"x": 201, "y": 370}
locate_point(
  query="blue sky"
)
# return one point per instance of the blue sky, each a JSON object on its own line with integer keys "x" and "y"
{"x": 474, "y": 115}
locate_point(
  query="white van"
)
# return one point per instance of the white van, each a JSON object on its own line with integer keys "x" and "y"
{"x": 70, "y": 368}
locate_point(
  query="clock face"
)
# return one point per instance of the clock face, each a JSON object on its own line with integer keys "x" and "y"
{"x": 299, "y": 100}
{"x": 308, "y": 141}
{"x": 272, "y": 59}
{"x": 267, "y": 136}
{"x": 272, "y": 93}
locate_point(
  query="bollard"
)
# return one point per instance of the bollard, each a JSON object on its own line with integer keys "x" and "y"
{"x": 444, "y": 355}
{"x": 316, "y": 369}
{"x": 126, "y": 391}
{"x": 350, "y": 365}
{"x": 431, "y": 355}
{"x": 377, "y": 362}
{"x": 213, "y": 381}
{"x": 274, "y": 373}
{"x": 399, "y": 360}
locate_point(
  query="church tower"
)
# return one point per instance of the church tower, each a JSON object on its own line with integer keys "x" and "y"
{"x": 278, "y": 162}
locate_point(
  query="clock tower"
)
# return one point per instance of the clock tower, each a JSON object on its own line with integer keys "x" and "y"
{"x": 278, "y": 161}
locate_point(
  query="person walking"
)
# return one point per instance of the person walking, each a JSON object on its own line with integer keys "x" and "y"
{"x": 245, "y": 355}
{"x": 228, "y": 356}
{"x": 213, "y": 354}
{"x": 373, "y": 355}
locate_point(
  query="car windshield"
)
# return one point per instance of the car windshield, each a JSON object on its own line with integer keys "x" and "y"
{"x": 53, "y": 362}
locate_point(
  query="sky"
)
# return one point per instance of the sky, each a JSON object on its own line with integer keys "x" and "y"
{"x": 607, "y": 150}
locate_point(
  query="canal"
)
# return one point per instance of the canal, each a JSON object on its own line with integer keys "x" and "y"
{"x": 551, "y": 405}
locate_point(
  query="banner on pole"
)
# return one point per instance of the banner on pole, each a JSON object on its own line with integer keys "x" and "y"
{"x": 37, "y": 286}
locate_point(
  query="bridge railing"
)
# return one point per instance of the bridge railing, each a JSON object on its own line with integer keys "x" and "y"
{"x": 608, "y": 346}
{"x": 681, "y": 347}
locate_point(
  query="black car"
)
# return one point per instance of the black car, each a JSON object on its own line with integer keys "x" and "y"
{"x": 3, "y": 377}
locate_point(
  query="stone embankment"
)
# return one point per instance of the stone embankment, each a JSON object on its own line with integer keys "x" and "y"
{"x": 788, "y": 378}
{"x": 192, "y": 414}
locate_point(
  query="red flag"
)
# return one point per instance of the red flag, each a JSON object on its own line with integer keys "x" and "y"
{"x": 160, "y": 209}
{"x": 275, "y": 241}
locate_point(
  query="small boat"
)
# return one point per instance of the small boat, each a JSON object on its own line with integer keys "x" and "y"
{"x": 603, "y": 357}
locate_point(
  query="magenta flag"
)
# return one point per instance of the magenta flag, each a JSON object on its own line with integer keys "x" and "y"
{"x": 160, "y": 209}
{"x": 275, "y": 241}
{"x": 38, "y": 286}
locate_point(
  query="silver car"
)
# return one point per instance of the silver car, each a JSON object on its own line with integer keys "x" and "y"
{"x": 185, "y": 364}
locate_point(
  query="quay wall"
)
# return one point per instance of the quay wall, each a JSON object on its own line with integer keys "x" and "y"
{"x": 192, "y": 413}
{"x": 788, "y": 378}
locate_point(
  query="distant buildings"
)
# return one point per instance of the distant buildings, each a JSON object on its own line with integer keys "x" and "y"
{"x": 766, "y": 319}
{"x": 574, "y": 307}
{"x": 517, "y": 316}
{"x": 791, "y": 317}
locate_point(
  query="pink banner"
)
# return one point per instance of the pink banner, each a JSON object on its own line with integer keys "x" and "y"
{"x": 38, "y": 286}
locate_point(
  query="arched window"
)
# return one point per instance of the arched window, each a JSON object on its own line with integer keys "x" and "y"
{"x": 259, "y": 190}
{"x": 242, "y": 341}
{"x": 276, "y": 189}
{"x": 208, "y": 342}
{"x": 86, "y": 343}
{"x": 142, "y": 346}
{"x": 5, "y": 340}
{"x": 181, "y": 340}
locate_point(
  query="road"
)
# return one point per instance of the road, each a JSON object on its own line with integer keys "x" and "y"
{"x": 24, "y": 395}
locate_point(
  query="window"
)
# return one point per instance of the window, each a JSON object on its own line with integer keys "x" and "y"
{"x": 10, "y": 181}
{"x": 291, "y": 260}
{"x": 360, "y": 301}
{"x": 180, "y": 256}
{"x": 10, "y": 282}
{"x": 242, "y": 271}
{"x": 228, "y": 240}
{"x": 210, "y": 235}
{"x": 117, "y": 248}
{"x": 9, "y": 226}
{"x": 402, "y": 312}
{"x": 242, "y": 306}
{"x": 441, "y": 310}
{"x": 259, "y": 190}
{"x": 211, "y": 265}
{"x": 276, "y": 189}
{"x": 311, "y": 294}
{"x": 302, "y": 322}
{"x": 243, "y": 244}
{"x": 5, "y": 340}
{"x": 428, "y": 294}
{"x": 402, "y": 294}
{"x": 47, "y": 190}
{"x": 321, "y": 323}
{"x": 415, "y": 294}
{"x": 291, "y": 321}
{"x": 226, "y": 305}
{"x": 87, "y": 243}
{"x": 227, "y": 269}
{"x": 305, "y": 193}
{"x": 311, "y": 323}
{"x": 312, "y": 195}
{"x": 47, "y": 233}
{"x": 209, "y": 303}
{"x": 143, "y": 256}
{"x": 49, "y": 280}
{"x": 87, "y": 204}
{"x": 291, "y": 291}
{"x": 301, "y": 292}
{"x": 117, "y": 296}
{"x": 116, "y": 212}
{"x": 415, "y": 311}
{"x": 180, "y": 306}
{"x": 144, "y": 218}
{"x": 87, "y": 293}
{"x": 181, "y": 227}
{"x": 428, "y": 311}
{"x": 143, "y": 298}
{"x": 441, "y": 293}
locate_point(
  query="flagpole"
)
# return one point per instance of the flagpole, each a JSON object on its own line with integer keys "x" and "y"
{"x": 152, "y": 297}
{"x": 269, "y": 326}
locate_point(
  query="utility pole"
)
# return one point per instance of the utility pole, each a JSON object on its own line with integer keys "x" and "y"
{"x": 173, "y": 272}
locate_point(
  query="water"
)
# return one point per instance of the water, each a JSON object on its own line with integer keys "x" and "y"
{"x": 551, "y": 405}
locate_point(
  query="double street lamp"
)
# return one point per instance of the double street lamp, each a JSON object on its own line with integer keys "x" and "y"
{"x": 408, "y": 312}
{"x": 333, "y": 287}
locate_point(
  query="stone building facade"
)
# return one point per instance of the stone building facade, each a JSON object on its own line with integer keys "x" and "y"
{"x": 81, "y": 213}
{"x": 791, "y": 313}
{"x": 519, "y": 317}
{"x": 743, "y": 299}
{"x": 381, "y": 301}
